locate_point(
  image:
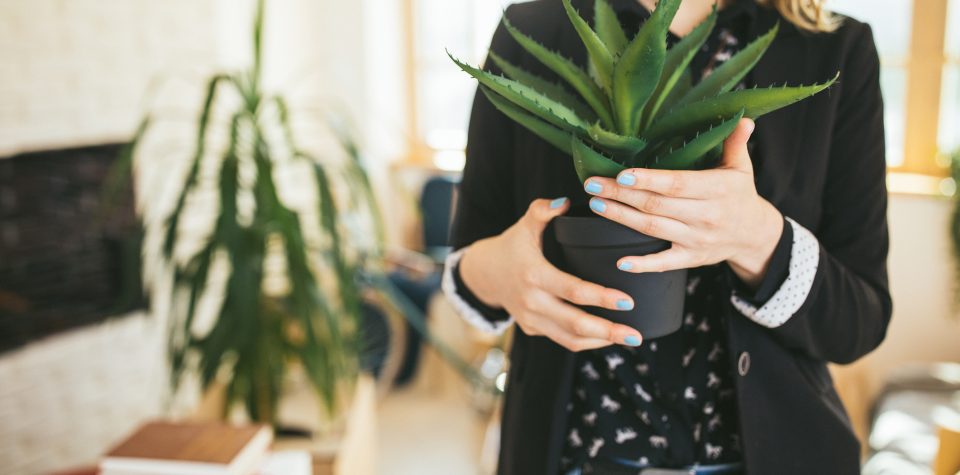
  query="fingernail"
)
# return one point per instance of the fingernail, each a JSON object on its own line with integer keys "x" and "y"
{"x": 624, "y": 304}
{"x": 557, "y": 203}
{"x": 625, "y": 265}
{"x": 593, "y": 187}
{"x": 627, "y": 179}
{"x": 632, "y": 340}
{"x": 598, "y": 205}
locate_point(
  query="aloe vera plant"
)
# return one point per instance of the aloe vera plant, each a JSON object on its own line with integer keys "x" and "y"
{"x": 635, "y": 105}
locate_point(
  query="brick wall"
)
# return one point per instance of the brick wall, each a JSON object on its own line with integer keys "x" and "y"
{"x": 75, "y": 73}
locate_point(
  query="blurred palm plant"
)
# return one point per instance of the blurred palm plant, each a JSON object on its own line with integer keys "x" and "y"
{"x": 313, "y": 320}
{"x": 260, "y": 331}
{"x": 636, "y": 106}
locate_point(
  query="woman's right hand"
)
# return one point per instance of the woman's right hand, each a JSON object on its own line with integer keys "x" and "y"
{"x": 509, "y": 271}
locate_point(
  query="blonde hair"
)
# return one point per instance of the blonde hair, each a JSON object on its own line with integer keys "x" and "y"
{"x": 807, "y": 15}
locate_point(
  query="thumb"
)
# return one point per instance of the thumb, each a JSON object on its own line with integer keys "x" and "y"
{"x": 542, "y": 211}
{"x": 735, "y": 154}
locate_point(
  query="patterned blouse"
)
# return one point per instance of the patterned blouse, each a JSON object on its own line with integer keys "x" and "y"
{"x": 670, "y": 402}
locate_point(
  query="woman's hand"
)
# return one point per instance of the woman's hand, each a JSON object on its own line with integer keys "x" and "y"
{"x": 510, "y": 271}
{"x": 710, "y": 216}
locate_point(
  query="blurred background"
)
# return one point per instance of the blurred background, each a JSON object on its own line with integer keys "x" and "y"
{"x": 372, "y": 127}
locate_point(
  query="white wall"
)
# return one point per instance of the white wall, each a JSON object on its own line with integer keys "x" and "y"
{"x": 925, "y": 327}
{"x": 75, "y": 71}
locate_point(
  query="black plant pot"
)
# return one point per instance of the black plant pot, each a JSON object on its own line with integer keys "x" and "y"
{"x": 590, "y": 247}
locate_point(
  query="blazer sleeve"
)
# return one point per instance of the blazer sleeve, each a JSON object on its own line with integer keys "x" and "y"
{"x": 847, "y": 310}
{"x": 484, "y": 205}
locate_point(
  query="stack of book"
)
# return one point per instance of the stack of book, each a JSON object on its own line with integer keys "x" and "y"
{"x": 166, "y": 448}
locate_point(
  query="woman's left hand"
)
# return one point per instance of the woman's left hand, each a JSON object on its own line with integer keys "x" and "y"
{"x": 710, "y": 216}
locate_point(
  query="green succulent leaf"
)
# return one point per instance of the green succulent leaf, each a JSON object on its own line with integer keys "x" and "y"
{"x": 676, "y": 64}
{"x": 637, "y": 72}
{"x": 729, "y": 74}
{"x": 566, "y": 69}
{"x": 550, "y": 89}
{"x": 529, "y": 99}
{"x": 608, "y": 27}
{"x": 600, "y": 56}
{"x": 689, "y": 156}
{"x": 552, "y": 135}
{"x": 621, "y": 146}
{"x": 685, "y": 119}
{"x": 683, "y": 85}
{"x": 588, "y": 162}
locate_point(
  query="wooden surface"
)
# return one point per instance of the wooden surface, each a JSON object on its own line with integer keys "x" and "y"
{"x": 183, "y": 441}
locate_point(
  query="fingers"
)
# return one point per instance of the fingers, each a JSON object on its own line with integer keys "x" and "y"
{"x": 678, "y": 184}
{"x": 571, "y": 327}
{"x": 542, "y": 211}
{"x": 671, "y": 259}
{"x": 735, "y": 154}
{"x": 682, "y": 209}
{"x": 581, "y": 324}
{"x": 578, "y": 291}
{"x": 661, "y": 227}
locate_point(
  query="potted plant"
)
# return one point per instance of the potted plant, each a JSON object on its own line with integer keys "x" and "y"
{"x": 289, "y": 280}
{"x": 284, "y": 274}
{"x": 636, "y": 107}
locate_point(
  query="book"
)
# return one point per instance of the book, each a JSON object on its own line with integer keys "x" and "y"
{"x": 185, "y": 448}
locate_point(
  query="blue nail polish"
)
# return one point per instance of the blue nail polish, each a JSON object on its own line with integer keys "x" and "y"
{"x": 627, "y": 179}
{"x": 557, "y": 203}
{"x": 593, "y": 187}
{"x": 598, "y": 205}
{"x": 625, "y": 265}
{"x": 624, "y": 304}
{"x": 632, "y": 340}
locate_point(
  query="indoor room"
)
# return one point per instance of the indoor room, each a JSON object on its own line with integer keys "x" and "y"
{"x": 471, "y": 237}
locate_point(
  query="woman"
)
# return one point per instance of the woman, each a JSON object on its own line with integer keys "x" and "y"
{"x": 786, "y": 241}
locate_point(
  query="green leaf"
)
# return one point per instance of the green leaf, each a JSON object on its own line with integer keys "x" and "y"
{"x": 684, "y": 84}
{"x": 552, "y": 135}
{"x": 258, "y": 41}
{"x": 689, "y": 156}
{"x": 600, "y": 56}
{"x": 529, "y": 99}
{"x": 550, "y": 89}
{"x": 173, "y": 219}
{"x": 567, "y": 70}
{"x": 637, "y": 72}
{"x": 729, "y": 74}
{"x": 676, "y": 64}
{"x": 608, "y": 27}
{"x": 621, "y": 147}
{"x": 688, "y": 118}
{"x": 588, "y": 162}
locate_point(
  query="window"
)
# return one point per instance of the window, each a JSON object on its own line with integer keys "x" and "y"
{"x": 891, "y": 28}
{"x": 949, "y": 136}
{"x": 920, "y": 75}
{"x": 443, "y": 92}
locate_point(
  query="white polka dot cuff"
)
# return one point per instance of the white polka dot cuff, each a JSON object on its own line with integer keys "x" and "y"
{"x": 804, "y": 259}
{"x": 468, "y": 313}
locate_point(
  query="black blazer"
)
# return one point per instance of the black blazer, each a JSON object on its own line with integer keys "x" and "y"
{"x": 820, "y": 162}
